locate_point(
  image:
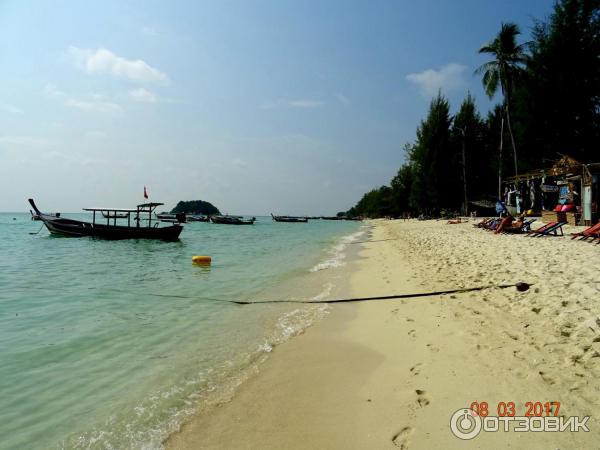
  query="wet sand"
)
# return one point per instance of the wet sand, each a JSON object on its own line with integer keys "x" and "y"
{"x": 390, "y": 374}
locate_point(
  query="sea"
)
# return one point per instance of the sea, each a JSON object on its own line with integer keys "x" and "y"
{"x": 115, "y": 344}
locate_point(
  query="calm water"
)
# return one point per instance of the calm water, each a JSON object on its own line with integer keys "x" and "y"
{"x": 112, "y": 344}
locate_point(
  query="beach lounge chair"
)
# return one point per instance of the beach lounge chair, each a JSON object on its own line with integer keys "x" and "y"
{"x": 483, "y": 223}
{"x": 525, "y": 228}
{"x": 493, "y": 224}
{"x": 591, "y": 232}
{"x": 552, "y": 230}
{"x": 542, "y": 228}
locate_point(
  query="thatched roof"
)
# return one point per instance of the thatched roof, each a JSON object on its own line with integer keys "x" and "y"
{"x": 565, "y": 165}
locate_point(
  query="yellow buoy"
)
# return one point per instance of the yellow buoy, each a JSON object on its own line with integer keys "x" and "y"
{"x": 201, "y": 259}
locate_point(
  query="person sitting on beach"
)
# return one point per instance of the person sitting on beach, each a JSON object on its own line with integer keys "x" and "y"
{"x": 506, "y": 223}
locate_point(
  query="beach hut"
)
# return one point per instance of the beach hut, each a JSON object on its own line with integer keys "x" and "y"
{"x": 568, "y": 191}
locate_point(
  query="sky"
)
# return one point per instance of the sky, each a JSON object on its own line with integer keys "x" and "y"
{"x": 283, "y": 106}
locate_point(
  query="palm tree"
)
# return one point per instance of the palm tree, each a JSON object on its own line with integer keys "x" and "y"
{"x": 503, "y": 70}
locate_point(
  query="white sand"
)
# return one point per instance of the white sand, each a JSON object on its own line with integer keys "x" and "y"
{"x": 391, "y": 374}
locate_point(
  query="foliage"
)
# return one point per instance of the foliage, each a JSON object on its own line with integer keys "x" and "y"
{"x": 551, "y": 105}
{"x": 195, "y": 207}
{"x": 504, "y": 70}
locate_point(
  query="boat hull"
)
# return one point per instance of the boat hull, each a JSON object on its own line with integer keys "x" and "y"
{"x": 290, "y": 219}
{"x": 231, "y": 220}
{"x": 75, "y": 228}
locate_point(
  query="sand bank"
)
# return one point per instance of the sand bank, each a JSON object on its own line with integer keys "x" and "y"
{"x": 391, "y": 374}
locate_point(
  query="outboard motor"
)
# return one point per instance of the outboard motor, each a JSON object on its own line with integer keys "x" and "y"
{"x": 181, "y": 217}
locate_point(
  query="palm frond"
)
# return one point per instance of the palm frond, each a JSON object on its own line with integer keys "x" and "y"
{"x": 485, "y": 67}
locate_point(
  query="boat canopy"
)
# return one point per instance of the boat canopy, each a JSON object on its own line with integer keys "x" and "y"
{"x": 143, "y": 206}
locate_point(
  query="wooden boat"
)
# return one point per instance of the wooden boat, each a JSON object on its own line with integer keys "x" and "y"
{"x": 139, "y": 224}
{"x": 289, "y": 219}
{"x": 198, "y": 218}
{"x": 232, "y": 220}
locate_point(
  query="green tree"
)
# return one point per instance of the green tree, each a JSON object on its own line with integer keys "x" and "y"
{"x": 401, "y": 186}
{"x": 504, "y": 70}
{"x": 432, "y": 183}
{"x": 467, "y": 141}
{"x": 558, "y": 105}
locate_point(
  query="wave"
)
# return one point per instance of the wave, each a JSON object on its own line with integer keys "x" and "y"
{"x": 337, "y": 254}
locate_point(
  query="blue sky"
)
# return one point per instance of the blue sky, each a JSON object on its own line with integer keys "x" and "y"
{"x": 291, "y": 107}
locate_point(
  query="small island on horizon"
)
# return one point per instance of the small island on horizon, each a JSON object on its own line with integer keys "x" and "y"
{"x": 195, "y": 207}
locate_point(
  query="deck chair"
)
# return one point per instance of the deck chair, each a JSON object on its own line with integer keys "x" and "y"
{"x": 483, "y": 223}
{"x": 587, "y": 233}
{"x": 492, "y": 225}
{"x": 554, "y": 230}
{"x": 541, "y": 229}
{"x": 525, "y": 228}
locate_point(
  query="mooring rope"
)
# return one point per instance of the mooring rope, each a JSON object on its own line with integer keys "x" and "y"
{"x": 37, "y": 230}
{"x": 521, "y": 286}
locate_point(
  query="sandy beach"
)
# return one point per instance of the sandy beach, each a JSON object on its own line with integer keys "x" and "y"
{"x": 390, "y": 374}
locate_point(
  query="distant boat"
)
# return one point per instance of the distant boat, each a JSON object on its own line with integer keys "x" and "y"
{"x": 198, "y": 218}
{"x": 289, "y": 219}
{"x": 173, "y": 218}
{"x": 232, "y": 220}
{"x": 139, "y": 224}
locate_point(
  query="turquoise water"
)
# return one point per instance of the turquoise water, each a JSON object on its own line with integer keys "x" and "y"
{"x": 112, "y": 344}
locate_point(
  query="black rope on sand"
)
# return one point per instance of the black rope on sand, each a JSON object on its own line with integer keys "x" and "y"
{"x": 521, "y": 287}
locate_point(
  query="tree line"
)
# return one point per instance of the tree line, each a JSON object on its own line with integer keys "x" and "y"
{"x": 550, "y": 90}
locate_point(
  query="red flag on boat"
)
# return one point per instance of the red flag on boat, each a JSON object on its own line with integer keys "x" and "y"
{"x": 145, "y": 192}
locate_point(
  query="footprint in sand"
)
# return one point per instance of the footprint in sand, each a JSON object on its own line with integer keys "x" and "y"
{"x": 412, "y": 333}
{"x": 401, "y": 439}
{"x": 422, "y": 398}
{"x": 546, "y": 378}
{"x": 416, "y": 369}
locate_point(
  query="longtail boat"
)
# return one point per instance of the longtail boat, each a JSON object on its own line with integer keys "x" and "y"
{"x": 232, "y": 220}
{"x": 289, "y": 219}
{"x": 139, "y": 224}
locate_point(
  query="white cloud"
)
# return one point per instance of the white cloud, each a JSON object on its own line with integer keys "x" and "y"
{"x": 95, "y": 134}
{"x": 304, "y": 103}
{"x": 149, "y": 31}
{"x": 143, "y": 95}
{"x": 11, "y": 109}
{"x": 23, "y": 140}
{"x": 51, "y": 91}
{"x": 93, "y": 102}
{"x": 343, "y": 99}
{"x": 450, "y": 77}
{"x": 93, "y": 105}
{"x": 104, "y": 61}
{"x": 239, "y": 162}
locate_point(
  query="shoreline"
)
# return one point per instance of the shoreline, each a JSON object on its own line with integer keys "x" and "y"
{"x": 391, "y": 374}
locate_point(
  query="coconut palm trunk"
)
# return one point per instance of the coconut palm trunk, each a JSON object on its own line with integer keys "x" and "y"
{"x": 512, "y": 138}
{"x": 502, "y": 71}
